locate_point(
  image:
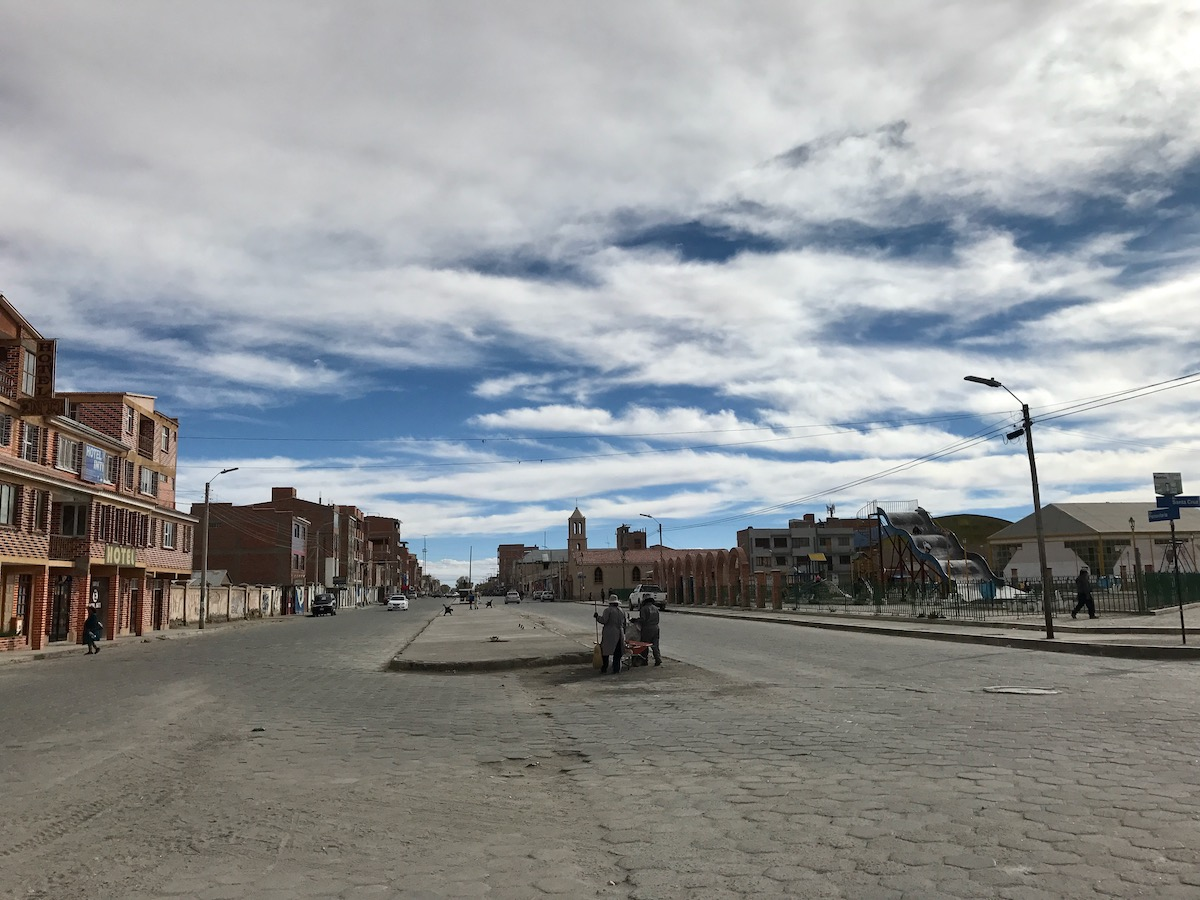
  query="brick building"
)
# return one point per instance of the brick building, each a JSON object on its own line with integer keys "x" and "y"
{"x": 257, "y": 546}
{"x": 391, "y": 568}
{"x": 309, "y": 547}
{"x": 87, "y": 491}
{"x": 507, "y": 558}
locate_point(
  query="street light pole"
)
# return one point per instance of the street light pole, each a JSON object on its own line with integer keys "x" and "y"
{"x": 659, "y": 575}
{"x": 1027, "y": 429}
{"x": 204, "y": 553}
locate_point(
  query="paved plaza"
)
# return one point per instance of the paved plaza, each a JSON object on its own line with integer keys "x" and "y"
{"x": 283, "y": 760}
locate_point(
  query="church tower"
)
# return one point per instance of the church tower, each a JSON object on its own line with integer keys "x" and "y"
{"x": 576, "y": 534}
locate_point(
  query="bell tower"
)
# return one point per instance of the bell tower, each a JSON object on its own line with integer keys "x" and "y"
{"x": 576, "y": 534}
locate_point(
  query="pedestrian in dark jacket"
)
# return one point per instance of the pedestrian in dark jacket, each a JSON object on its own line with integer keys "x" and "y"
{"x": 612, "y": 636}
{"x": 649, "y": 618}
{"x": 1083, "y": 594}
{"x": 91, "y": 631}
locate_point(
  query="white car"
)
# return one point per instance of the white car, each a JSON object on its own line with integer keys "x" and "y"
{"x": 512, "y": 597}
{"x": 399, "y": 601}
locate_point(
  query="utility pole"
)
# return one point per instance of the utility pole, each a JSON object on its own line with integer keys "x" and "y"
{"x": 204, "y": 552}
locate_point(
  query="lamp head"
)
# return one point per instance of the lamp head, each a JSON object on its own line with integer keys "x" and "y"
{"x": 1013, "y": 435}
{"x": 988, "y": 382}
{"x": 223, "y": 471}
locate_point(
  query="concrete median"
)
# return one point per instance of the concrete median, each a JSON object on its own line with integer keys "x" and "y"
{"x": 488, "y": 640}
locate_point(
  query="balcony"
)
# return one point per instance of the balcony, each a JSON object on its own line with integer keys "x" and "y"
{"x": 8, "y": 385}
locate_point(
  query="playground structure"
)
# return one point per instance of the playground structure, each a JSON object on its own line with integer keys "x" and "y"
{"x": 929, "y": 556}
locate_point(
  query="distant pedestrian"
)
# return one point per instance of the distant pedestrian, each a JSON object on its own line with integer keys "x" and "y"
{"x": 92, "y": 629}
{"x": 649, "y": 616}
{"x": 1083, "y": 594}
{"x": 612, "y": 637}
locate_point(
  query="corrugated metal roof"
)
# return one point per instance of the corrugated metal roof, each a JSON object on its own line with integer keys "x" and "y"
{"x": 1094, "y": 519}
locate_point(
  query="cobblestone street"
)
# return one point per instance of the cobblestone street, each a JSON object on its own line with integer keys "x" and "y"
{"x": 279, "y": 760}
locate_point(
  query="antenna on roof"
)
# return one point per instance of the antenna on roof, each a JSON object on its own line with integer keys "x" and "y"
{"x": 830, "y": 508}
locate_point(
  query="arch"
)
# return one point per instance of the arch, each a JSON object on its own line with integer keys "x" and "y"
{"x": 598, "y": 575}
{"x": 636, "y": 575}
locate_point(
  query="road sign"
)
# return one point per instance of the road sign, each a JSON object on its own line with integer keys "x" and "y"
{"x": 1164, "y": 515}
{"x": 1167, "y": 484}
{"x": 1184, "y": 500}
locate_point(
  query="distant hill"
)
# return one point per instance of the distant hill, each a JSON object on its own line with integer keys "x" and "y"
{"x": 973, "y": 530}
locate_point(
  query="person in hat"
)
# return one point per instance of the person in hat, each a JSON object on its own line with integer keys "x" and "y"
{"x": 612, "y": 635}
{"x": 1083, "y": 594}
{"x": 648, "y": 616}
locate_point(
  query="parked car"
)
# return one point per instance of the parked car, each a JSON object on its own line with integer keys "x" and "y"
{"x": 544, "y": 595}
{"x": 641, "y": 591}
{"x": 324, "y": 604}
{"x": 512, "y": 597}
{"x": 397, "y": 601}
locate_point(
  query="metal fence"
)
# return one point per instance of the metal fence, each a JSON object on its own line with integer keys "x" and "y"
{"x": 979, "y": 600}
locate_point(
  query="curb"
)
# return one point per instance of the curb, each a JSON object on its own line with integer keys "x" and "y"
{"x": 1124, "y": 651}
{"x": 575, "y": 657}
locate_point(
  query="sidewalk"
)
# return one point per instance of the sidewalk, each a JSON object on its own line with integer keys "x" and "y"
{"x": 63, "y": 648}
{"x": 1131, "y": 637}
{"x": 488, "y": 640}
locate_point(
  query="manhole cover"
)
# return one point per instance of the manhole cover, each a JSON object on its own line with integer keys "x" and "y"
{"x": 1002, "y": 689}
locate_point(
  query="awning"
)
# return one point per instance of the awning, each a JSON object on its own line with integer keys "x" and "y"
{"x": 816, "y": 557}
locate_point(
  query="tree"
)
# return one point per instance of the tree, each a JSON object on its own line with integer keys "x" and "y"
{"x": 463, "y": 583}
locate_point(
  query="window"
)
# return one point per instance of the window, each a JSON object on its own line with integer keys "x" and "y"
{"x": 148, "y": 484}
{"x": 762, "y": 562}
{"x": 166, "y": 439}
{"x": 801, "y": 542}
{"x": 781, "y": 542}
{"x": 9, "y": 493}
{"x": 41, "y": 511}
{"x": 781, "y": 560}
{"x": 31, "y": 443}
{"x": 112, "y": 470}
{"x": 75, "y": 519}
{"x": 70, "y": 454}
{"x": 762, "y": 542}
{"x": 598, "y": 576}
{"x": 169, "y": 534}
{"x": 635, "y": 576}
{"x": 129, "y": 475}
{"x": 844, "y": 560}
{"x": 5, "y": 430}
{"x": 843, "y": 541}
{"x": 27, "y": 376}
{"x": 130, "y": 419}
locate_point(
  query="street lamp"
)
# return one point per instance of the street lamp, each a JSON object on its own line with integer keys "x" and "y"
{"x": 1027, "y": 430}
{"x": 658, "y": 576}
{"x": 204, "y": 553}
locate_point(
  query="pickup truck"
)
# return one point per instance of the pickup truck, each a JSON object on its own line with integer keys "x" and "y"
{"x": 641, "y": 591}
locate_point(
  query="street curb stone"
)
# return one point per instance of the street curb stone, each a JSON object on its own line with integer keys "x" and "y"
{"x": 577, "y": 657}
{"x": 1124, "y": 651}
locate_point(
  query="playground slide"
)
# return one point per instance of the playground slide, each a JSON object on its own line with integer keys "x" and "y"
{"x": 937, "y": 547}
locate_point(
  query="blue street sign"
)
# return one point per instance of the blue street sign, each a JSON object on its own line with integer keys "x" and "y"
{"x": 1189, "y": 500}
{"x": 1163, "y": 515}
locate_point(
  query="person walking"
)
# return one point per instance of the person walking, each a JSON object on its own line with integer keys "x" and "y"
{"x": 1083, "y": 594}
{"x": 649, "y": 617}
{"x": 92, "y": 627}
{"x": 612, "y": 635}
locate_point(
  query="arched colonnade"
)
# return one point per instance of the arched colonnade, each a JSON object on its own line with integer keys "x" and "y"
{"x": 718, "y": 578}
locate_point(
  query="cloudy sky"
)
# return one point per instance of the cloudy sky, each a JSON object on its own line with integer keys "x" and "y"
{"x": 474, "y": 264}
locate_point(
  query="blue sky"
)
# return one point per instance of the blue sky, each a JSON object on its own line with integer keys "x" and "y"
{"x": 471, "y": 265}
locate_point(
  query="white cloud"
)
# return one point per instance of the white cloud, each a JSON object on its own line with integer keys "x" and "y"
{"x": 201, "y": 199}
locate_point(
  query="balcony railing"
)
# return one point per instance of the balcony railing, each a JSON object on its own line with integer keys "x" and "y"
{"x": 8, "y": 385}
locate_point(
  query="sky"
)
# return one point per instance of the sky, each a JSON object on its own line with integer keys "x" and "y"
{"x": 704, "y": 264}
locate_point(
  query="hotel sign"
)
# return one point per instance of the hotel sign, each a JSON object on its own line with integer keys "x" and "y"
{"x": 43, "y": 402}
{"x": 116, "y": 555}
{"x": 95, "y": 464}
{"x": 43, "y": 369}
